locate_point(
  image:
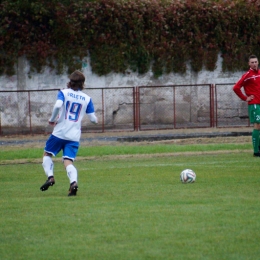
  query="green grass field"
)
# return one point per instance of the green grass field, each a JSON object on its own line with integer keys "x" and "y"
{"x": 133, "y": 207}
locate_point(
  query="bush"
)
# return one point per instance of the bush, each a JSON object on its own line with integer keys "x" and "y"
{"x": 129, "y": 34}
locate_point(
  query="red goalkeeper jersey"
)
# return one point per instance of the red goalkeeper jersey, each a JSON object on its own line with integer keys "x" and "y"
{"x": 250, "y": 81}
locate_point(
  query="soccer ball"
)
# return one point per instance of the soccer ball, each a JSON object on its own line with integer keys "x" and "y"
{"x": 188, "y": 176}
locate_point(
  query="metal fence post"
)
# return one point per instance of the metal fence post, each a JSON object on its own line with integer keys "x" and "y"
{"x": 137, "y": 109}
{"x": 212, "y": 105}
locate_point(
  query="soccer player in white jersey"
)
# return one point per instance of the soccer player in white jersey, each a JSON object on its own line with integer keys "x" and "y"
{"x": 67, "y": 114}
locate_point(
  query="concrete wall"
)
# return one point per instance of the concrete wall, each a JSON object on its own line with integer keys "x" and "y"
{"x": 192, "y": 103}
{"x": 49, "y": 80}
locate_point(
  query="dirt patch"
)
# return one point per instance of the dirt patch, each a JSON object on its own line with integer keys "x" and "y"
{"x": 214, "y": 140}
{"x": 95, "y": 142}
{"x": 111, "y": 138}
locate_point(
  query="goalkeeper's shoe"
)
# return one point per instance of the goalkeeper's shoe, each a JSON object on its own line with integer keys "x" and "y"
{"x": 257, "y": 154}
{"x": 47, "y": 184}
{"x": 73, "y": 189}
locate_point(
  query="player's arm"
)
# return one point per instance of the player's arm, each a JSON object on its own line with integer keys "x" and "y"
{"x": 237, "y": 88}
{"x": 55, "y": 111}
{"x": 56, "y": 108}
{"x": 91, "y": 112}
{"x": 92, "y": 117}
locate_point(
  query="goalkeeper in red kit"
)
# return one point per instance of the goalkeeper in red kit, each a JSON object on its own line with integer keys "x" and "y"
{"x": 250, "y": 82}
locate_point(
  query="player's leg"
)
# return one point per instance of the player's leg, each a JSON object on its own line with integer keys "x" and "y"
{"x": 257, "y": 126}
{"x": 69, "y": 155}
{"x": 47, "y": 165}
{"x": 254, "y": 115}
{"x": 255, "y": 140}
{"x": 52, "y": 147}
{"x": 73, "y": 177}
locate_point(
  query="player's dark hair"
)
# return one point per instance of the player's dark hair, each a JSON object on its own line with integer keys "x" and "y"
{"x": 252, "y": 57}
{"x": 77, "y": 80}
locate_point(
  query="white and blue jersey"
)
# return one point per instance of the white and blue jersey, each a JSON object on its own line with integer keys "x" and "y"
{"x": 75, "y": 104}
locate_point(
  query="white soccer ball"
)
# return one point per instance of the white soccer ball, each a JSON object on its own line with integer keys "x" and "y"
{"x": 188, "y": 176}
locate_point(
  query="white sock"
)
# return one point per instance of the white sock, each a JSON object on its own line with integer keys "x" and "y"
{"x": 72, "y": 173}
{"x": 47, "y": 165}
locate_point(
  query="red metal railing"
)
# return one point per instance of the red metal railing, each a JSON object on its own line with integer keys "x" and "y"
{"x": 130, "y": 109}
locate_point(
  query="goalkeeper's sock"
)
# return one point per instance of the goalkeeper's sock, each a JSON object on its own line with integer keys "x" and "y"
{"x": 255, "y": 140}
{"x": 48, "y": 166}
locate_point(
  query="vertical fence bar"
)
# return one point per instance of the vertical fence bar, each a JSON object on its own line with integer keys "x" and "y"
{"x": 137, "y": 110}
{"x": 103, "y": 109}
{"x": 0, "y": 121}
{"x": 216, "y": 106}
{"x": 174, "y": 113}
{"x": 30, "y": 116}
{"x": 212, "y": 115}
{"x": 134, "y": 108}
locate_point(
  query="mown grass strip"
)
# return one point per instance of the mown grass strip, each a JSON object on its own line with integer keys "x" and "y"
{"x": 14, "y": 153}
{"x": 135, "y": 208}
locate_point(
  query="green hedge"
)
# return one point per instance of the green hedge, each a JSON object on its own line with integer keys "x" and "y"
{"x": 118, "y": 35}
